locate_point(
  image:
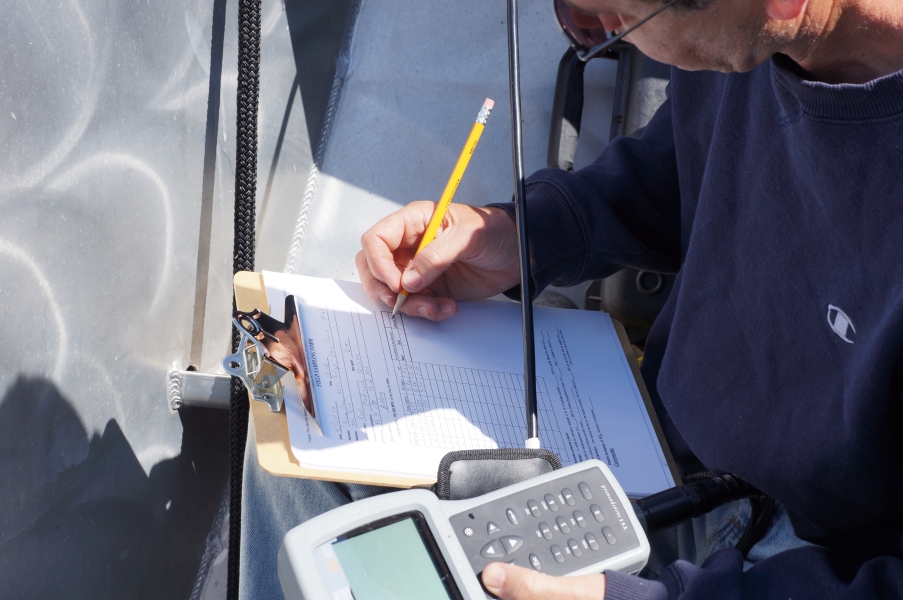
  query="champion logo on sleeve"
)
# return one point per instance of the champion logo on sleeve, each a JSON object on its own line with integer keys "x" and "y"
{"x": 841, "y": 324}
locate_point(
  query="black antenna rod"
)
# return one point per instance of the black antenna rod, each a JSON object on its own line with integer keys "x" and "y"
{"x": 520, "y": 203}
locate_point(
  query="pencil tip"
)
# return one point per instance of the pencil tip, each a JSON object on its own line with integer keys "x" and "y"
{"x": 398, "y": 302}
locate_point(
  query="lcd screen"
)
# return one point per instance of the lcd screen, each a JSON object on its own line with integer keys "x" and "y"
{"x": 391, "y": 562}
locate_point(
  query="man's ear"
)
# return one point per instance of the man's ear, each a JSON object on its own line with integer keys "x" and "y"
{"x": 785, "y": 10}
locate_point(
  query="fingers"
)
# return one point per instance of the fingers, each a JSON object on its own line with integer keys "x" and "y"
{"x": 374, "y": 287}
{"x": 385, "y": 243}
{"x": 429, "y": 307}
{"x": 453, "y": 244}
{"x": 509, "y": 582}
{"x": 423, "y": 305}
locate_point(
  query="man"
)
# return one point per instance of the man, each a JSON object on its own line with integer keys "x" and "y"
{"x": 775, "y": 190}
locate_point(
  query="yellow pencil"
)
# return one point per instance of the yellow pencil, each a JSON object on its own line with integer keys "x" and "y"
{"x": 450, "y": 188}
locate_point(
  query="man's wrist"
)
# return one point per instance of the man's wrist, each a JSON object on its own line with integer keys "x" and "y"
{"x": 499, "y": 220}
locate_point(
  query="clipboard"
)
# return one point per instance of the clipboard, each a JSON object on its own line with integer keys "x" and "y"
{"x": 274, "y": 452}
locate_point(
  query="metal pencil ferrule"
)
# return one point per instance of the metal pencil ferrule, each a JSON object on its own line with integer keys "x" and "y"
{"x": 483, "y": 115}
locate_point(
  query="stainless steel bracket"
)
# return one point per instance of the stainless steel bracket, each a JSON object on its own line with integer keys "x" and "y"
{"x": 190, "y": 388}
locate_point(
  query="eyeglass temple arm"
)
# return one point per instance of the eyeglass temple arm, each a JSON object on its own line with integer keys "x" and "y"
{"x": 603, "y": 47}
{"x": 567, "y": 112}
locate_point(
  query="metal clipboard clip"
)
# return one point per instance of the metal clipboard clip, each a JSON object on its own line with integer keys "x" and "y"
{"x": 269, "y": 349}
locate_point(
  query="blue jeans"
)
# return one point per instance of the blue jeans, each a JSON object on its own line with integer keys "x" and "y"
{"x": 271, "y": 506}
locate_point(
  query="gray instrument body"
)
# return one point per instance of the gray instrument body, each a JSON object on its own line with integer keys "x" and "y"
{"x": 573, "y": 521}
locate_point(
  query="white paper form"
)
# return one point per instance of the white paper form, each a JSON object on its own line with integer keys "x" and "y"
{"x": 394, "y": 395}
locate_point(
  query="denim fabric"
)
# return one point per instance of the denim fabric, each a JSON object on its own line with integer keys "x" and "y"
{"x": 778, "y": 538}
{"x": 270, "y": 507}
{"x": 698, "y": 539}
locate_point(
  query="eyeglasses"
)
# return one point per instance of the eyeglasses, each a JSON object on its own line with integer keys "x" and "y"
{"x": 586, "y": 32}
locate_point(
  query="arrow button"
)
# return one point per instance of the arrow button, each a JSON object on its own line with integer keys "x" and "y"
{"x": 492, "y": 550}
{"x": 511, "y": 543}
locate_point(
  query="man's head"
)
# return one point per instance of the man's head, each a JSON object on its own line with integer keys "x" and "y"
{"x": 721, "y": 35}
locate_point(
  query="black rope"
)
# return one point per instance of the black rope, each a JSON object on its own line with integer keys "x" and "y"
{"x": 243, "y": 253}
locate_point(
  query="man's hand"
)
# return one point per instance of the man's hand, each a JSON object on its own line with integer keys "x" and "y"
{"x": 473, "y": 256}
{"x": 517, "y": 583}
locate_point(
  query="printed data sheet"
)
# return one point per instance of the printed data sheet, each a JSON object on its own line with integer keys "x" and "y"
{"x": 394, "y": 394}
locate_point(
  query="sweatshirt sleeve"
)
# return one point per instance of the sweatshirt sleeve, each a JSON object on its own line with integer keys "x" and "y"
{"x": 800, "y": 574}
{"x": 621, "y": 211}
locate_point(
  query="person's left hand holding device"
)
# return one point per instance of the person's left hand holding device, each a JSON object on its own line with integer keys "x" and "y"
{"x": 510, "y": 582}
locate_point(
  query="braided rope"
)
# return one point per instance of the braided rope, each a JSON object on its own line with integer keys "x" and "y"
{"x": 243, "y": 254}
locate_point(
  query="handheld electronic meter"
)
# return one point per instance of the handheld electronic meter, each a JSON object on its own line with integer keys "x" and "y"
{"x": 409, "y": 544}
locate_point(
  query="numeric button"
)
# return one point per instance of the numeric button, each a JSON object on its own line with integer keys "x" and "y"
{"x": 551, "y": 502}
{"x": 591, "y": 540}
{"x": 534, "y": 508}
{"x": 597, "y": 513}
{"x": 574, "y": 545}
{"x": 545, "y": 530}
{"x": 563, "y": 525}
{"x": 581, "y": 520}
{"x": 568, "y": 496}
{"x": 557, "y": 553}
{"x": 584, "y": 489}
{"x": 512, "y": 516}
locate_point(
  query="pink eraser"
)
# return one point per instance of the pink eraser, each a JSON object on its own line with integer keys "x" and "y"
{"x": 488, "y": 103}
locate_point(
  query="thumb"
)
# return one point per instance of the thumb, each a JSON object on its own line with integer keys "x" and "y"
{"x": 509, "y": 582}
{"x": 437, "y": 256}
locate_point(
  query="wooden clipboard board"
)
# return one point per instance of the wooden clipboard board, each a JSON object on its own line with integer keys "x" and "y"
{"x": 274, "y": 451}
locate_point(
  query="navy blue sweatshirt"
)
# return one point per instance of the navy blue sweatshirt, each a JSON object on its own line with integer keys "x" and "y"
{"x": 779, "y": 355}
